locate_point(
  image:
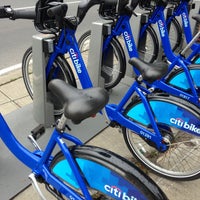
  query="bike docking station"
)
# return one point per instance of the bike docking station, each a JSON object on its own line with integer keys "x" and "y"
{"x": 43, "y": 110}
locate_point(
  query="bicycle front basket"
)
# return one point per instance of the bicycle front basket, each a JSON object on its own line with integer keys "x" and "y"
{"x": 43, "y": 23}
{"x": 147, "y": 4}
{"x": 107, "y": 10}
{"x": 111, "y": 9}
{"x": 150, "y": 5}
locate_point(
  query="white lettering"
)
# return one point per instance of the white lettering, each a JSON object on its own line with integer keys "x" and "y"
{"x": 162, "y": 29}
{"x": 146, "y": 135}
{"x": 185, "y": 20}
{"x": 118, "y": 193}
{"x": 128, "y": 41}
{"x": 75, "y": 60}
{"x": 185, "y": 125}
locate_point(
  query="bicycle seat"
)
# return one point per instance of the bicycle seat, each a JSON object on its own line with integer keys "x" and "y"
{"x": 79, "y": 104}
{"x": 149, "y": 71}
{"x": 196, "y": 17}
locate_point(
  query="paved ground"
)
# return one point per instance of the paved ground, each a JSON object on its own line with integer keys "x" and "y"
{"x": 14, "y": 96}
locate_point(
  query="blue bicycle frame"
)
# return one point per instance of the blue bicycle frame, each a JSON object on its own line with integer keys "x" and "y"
{"x": 115, "y": 112}
{"x": 75, "y": 55}
{"x": 39, "y": 161}
{"x": 176, "y": 60}
{"x": 122, "y": 27}
{"x": 182, "y": 10}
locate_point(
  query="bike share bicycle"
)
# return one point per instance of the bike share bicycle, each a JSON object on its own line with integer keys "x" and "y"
{"x": 185, "y": 75}
{"x": 174, "y": 9}
{"x": 181, "y": 8}
{"x": 181, "y": 79}
{"x": 162, "y": 136}
{"x": 148, "y": 44}
{"x": 153, "y": 136}
{"x": 71, "y": 172}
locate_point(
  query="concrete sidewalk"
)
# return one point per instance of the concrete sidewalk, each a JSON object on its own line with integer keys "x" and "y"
{"x": 13, "y": 96}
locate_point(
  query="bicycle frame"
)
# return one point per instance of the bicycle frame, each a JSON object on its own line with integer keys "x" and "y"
{"x": 75, "y": 55}
{"x": 122, "y": 27}
{"x": 176, "y": 60}
{"x": 115, "y": 112}
{"x": 182, "y": 10}
{"x": 39, "y": 160}
{"x": 72, "y": 48}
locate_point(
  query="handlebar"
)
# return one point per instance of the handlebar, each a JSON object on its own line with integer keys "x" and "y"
{"x": 17, "y": 13}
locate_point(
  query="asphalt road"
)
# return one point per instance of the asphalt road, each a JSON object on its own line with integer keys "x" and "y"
{"x": 16, "y": 36}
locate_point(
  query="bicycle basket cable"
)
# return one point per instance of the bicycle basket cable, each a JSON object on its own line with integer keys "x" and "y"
{"x": 110, "y": 9}
{"x": 43, "y": 23}
{"x": 150, "y": 5}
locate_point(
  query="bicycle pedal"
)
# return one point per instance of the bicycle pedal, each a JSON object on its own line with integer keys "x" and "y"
{"x": 36, "y": 186}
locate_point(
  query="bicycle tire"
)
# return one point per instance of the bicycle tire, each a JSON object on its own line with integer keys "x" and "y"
{"x": 103, "y": 171}
{"x": 111, "y": 73}
{"x": 175, "y": 35}
{"x": 181, "y": 160}
{"x": 62, "y": 69}
{"x": 148, "y": 45}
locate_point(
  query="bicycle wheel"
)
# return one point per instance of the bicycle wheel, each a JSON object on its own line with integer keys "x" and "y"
{"x": 114, "y": 68}
{"x": 175, "y": 35}
{"x": 108, "y": 176}
{"x": 148, "y": 45}
{"x": 61, "y": 69}
{"x": 181, "y": 160}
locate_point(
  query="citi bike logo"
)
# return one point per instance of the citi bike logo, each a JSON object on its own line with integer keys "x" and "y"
{"x": 179, "y": 122}
{"x": 128, "y": 41}
{"x": 118, "y": 193}
{"x": 76, "y": 61}
{"x": 162, "y": 28}
{"x": 185, "y": 20}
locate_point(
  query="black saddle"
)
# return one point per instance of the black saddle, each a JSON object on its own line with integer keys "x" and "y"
{"x": 149, "y": 71}
{"x": 79, "y": 104}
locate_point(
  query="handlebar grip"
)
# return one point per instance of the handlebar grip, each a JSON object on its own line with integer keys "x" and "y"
{"x": 28, "y": 13}
{"x": 18, "y": 13}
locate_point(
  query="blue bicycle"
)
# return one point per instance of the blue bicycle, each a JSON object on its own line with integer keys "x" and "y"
{"x": 72, "y": 172}
{"x": 182, "y": 77}
{"x": 157, "y": 17}
{"x": 152, "y": 135}
{"x": 175, "y": 9}
{"x": 180, "y": 8}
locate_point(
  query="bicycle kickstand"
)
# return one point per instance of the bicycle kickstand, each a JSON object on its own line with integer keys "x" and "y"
{"x": 36, "y": 186}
